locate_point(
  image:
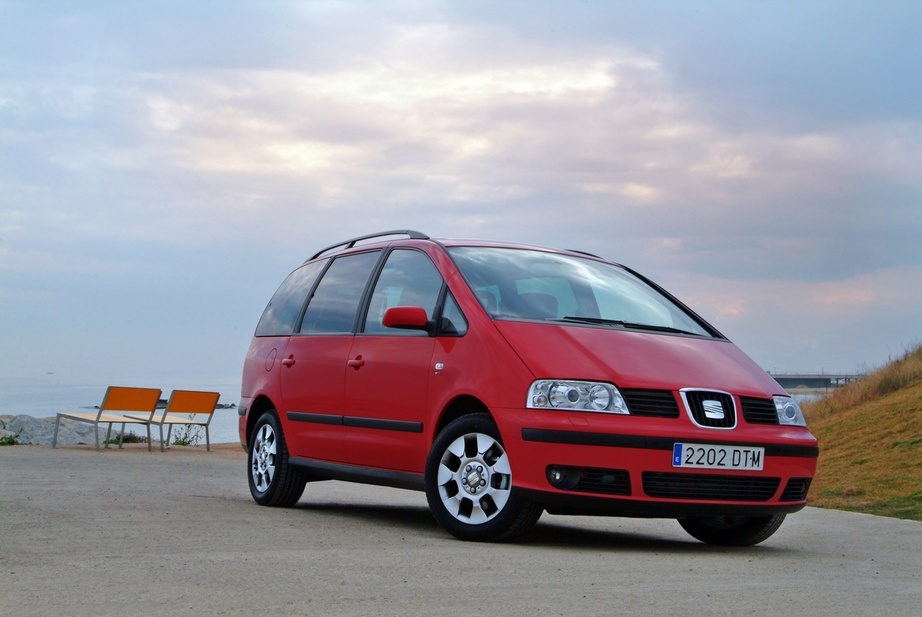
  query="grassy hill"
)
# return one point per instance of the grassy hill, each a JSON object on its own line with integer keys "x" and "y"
{"x": 870, "y": 435}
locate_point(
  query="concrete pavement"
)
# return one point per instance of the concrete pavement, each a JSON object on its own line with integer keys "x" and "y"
{"x": 176, "y": 533}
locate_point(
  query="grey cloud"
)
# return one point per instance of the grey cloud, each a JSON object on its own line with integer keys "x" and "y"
{"x": 208, "y": 151}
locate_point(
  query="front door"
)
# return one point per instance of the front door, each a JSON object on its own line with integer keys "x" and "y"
{"x": 387, "y": 380}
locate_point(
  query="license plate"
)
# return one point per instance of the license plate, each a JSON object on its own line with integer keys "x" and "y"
{"x": 710, "y": 456}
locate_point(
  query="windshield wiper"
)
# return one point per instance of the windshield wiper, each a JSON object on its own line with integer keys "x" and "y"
{"x": 591, "y": 320}
{"x": 624, "y": 324}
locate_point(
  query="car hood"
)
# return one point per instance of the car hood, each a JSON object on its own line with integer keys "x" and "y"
{"x": 636, "y": 359}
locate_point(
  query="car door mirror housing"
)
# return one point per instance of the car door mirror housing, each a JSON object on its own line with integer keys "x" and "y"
{"x": 407, "y": 318}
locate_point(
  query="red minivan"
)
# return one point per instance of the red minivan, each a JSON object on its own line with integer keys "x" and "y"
{"x": 505, "y": 380}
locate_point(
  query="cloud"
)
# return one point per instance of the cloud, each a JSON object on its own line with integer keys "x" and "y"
{"x": 225, "y": 145}
{"x": 600, "y": 131}
{"x": 812, "y": 324}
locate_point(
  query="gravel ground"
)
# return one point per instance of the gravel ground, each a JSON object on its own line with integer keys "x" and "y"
{"x": 135, "y": 533}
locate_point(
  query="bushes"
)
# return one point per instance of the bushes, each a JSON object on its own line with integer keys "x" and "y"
{"x": 11, "y": 439}
{"x": 187, "y": 435}
{"x": 129, "y": 437}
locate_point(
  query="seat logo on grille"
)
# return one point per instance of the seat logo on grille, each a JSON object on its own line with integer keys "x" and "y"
{"x": 713, "y": 410}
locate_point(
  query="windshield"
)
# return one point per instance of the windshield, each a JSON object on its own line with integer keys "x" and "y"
{"x": 535, "y": 285}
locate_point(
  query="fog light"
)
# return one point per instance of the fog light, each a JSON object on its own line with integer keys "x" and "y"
{"x": 561, "y": 477}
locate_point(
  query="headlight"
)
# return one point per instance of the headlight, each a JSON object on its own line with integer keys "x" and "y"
{"x": 789, "y": 413}
{"x": 576, "y": 395}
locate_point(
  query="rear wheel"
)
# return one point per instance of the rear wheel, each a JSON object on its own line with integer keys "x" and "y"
{"x": 732, "y": 530}
{"x": 273, "y": 482}
{"x": 469, "y": 483}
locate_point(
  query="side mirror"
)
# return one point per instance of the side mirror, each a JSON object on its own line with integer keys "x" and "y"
{"x": 407, "y": 318}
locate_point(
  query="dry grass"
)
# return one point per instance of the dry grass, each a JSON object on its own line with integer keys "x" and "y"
{"x": 870, "y": 435}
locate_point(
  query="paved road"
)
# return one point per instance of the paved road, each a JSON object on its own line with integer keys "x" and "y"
{"x": 176, "y": 533}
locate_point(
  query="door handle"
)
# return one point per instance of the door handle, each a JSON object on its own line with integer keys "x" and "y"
{"x": 289, "y": 361}
{"x": 356, "y": 363}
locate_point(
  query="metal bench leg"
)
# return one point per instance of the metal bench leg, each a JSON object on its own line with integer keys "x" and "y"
{"x": 108, "y": 435}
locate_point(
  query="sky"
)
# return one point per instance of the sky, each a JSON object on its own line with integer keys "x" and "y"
{"x": 165, "y": 164}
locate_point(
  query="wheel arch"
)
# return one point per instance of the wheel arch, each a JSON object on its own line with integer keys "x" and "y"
{"x": 260, "y": 405}
{"x": 459, "y": 406}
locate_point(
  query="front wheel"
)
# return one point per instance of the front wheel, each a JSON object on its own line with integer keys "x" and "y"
{"x": 469, "y": 483}
{"x": 273, "y": 482}
{"x": 732, "y": 530}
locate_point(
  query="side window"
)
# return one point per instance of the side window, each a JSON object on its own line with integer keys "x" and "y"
{"x": 337, "y": 298}
{"x": 453, "y": 321}
{"x": 282, "y": 312}
{"x": 408, "y": 278}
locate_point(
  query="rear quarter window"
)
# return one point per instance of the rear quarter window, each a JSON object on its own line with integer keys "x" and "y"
{"x": 284, "y": 308}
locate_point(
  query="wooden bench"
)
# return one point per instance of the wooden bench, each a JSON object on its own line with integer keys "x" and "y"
{"x": 185, "y": 407}
{"x": 116, "y": 404}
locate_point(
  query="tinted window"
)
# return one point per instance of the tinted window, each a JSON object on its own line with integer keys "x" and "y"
{"x": 333, "y": 307}
{"x": 282, "y": 312}
{"x": 408, "y": 278}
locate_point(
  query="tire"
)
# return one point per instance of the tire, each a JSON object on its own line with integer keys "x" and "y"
{"x": 469, "y": 484}
{"x": 732, "y": 530}
{"x": 273, "y": 482}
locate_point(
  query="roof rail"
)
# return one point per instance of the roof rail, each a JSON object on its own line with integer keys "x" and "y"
{"x": 586, "y": 253}
{"x": 348, "y": 244}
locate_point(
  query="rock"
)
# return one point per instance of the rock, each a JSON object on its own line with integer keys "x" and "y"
{"x": 40, "y": 431}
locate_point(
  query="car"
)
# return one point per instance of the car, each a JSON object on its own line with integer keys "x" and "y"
{"x": 506, "y": 380}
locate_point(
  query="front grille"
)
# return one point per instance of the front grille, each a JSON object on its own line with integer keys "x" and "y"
{"x": 709, "y": 487}
{"x": 759, "y": 411}
{"x": 710, "y": 409}
{"x": 607, "y": 481}
{"x": 652, "y": 403}
{"x": 796, "y": 489}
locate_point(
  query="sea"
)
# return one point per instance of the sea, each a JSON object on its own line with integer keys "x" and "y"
{"x": 44, "y": 397}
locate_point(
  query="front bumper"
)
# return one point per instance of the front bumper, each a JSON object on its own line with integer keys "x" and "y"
{"x": 623, "y": 466}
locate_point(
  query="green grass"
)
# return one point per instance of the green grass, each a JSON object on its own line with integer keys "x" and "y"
{"x": 870, "y": 435}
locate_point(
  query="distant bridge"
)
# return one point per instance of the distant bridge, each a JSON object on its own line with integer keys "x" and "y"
{"x": 815, "y": 380}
